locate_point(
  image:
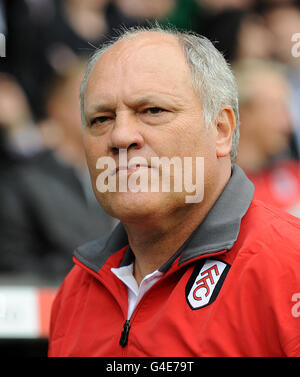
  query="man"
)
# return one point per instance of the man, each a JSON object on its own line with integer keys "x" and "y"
{"x": 265, "y": 134}
{"x": 175, "y": 278}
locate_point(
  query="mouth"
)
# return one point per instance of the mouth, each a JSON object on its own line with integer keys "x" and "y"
{"x": 130, "y": 169}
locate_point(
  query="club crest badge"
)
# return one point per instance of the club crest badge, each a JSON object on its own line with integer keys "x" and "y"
{"x": 205, "y": 283}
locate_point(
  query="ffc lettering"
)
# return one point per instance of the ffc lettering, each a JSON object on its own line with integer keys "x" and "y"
{"x": 207, "y": 274}
{"x": 205, "y": 282}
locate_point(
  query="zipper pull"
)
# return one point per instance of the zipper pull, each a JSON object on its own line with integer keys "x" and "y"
{"x": 125, "y": 332}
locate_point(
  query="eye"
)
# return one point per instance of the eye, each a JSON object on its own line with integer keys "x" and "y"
{"x": 153, "y": 110}
{"x": 99, "y": 120}
{"x": 155, "y": 115}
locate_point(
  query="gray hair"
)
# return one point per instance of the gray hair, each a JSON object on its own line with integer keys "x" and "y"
{"x": 213, "y": 79}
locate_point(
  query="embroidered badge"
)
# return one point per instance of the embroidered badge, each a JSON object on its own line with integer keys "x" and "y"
{"x": 205, "y": 283}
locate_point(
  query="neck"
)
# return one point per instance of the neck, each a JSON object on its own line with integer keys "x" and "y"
{"x": 153, "y": 242}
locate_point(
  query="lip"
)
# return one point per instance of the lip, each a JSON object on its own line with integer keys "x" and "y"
{"x": 130, "y": 169}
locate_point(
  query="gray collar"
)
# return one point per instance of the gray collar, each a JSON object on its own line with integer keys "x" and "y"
{"x": 218, "y": 231}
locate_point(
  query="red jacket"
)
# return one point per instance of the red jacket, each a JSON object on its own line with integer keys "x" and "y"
{"x": 279, "y": 186}
{"x": 230, "y": 290}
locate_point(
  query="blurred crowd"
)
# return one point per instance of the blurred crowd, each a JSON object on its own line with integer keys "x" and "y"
{"x": 46, "y": 206}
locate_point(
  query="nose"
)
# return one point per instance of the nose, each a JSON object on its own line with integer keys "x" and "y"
{"x": 126, "y": 133}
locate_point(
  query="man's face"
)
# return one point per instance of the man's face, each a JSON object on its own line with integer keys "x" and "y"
{"x": 140, "y": 99}
{"x": 267, "y": 119}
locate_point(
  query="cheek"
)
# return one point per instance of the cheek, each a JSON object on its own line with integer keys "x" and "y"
{"x": 183, "y": 141}
{"x": 201, "y": 143}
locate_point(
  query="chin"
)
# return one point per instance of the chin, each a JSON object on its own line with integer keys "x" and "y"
{"x": 131, "y": 206}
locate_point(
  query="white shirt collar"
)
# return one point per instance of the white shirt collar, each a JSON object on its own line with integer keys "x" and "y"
{"x": 135, "y": 292}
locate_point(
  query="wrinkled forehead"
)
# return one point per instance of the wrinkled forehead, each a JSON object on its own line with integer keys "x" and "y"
{"x": 135, "y": 42}
{"x": 146, "y": 50}
{"x": 144, "y": 39}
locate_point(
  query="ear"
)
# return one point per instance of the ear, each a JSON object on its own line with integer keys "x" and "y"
{"x": 225, "y": 126}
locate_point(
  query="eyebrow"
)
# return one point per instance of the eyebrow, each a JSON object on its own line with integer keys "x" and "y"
{"x": 138, "y": 100}
{"x": 163, "y": 98}
{"x": 98, "y": 108}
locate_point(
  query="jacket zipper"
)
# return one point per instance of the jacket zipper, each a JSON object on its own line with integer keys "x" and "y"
{"x": 127, "y": 324}
{"x": 124, "y": 335}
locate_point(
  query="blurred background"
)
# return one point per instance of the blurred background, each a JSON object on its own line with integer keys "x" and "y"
{"x": 46, "y": 204}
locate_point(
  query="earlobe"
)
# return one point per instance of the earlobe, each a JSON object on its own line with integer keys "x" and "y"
{"x": 225, "y": 126}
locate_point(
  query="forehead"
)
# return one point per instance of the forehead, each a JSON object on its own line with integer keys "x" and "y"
{"x": 151, "y": 60}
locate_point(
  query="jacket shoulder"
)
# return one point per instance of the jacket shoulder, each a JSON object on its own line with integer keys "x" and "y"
{"x": 69, "y": 295}
{"x": 267, "y": 271}
{"x": 268, "y": 230}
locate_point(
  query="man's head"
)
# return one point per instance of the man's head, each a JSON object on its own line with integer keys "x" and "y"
{"x": 263, "y": 95}
{"x": 212, "y": 77}
{"x": 158, "y": 93}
